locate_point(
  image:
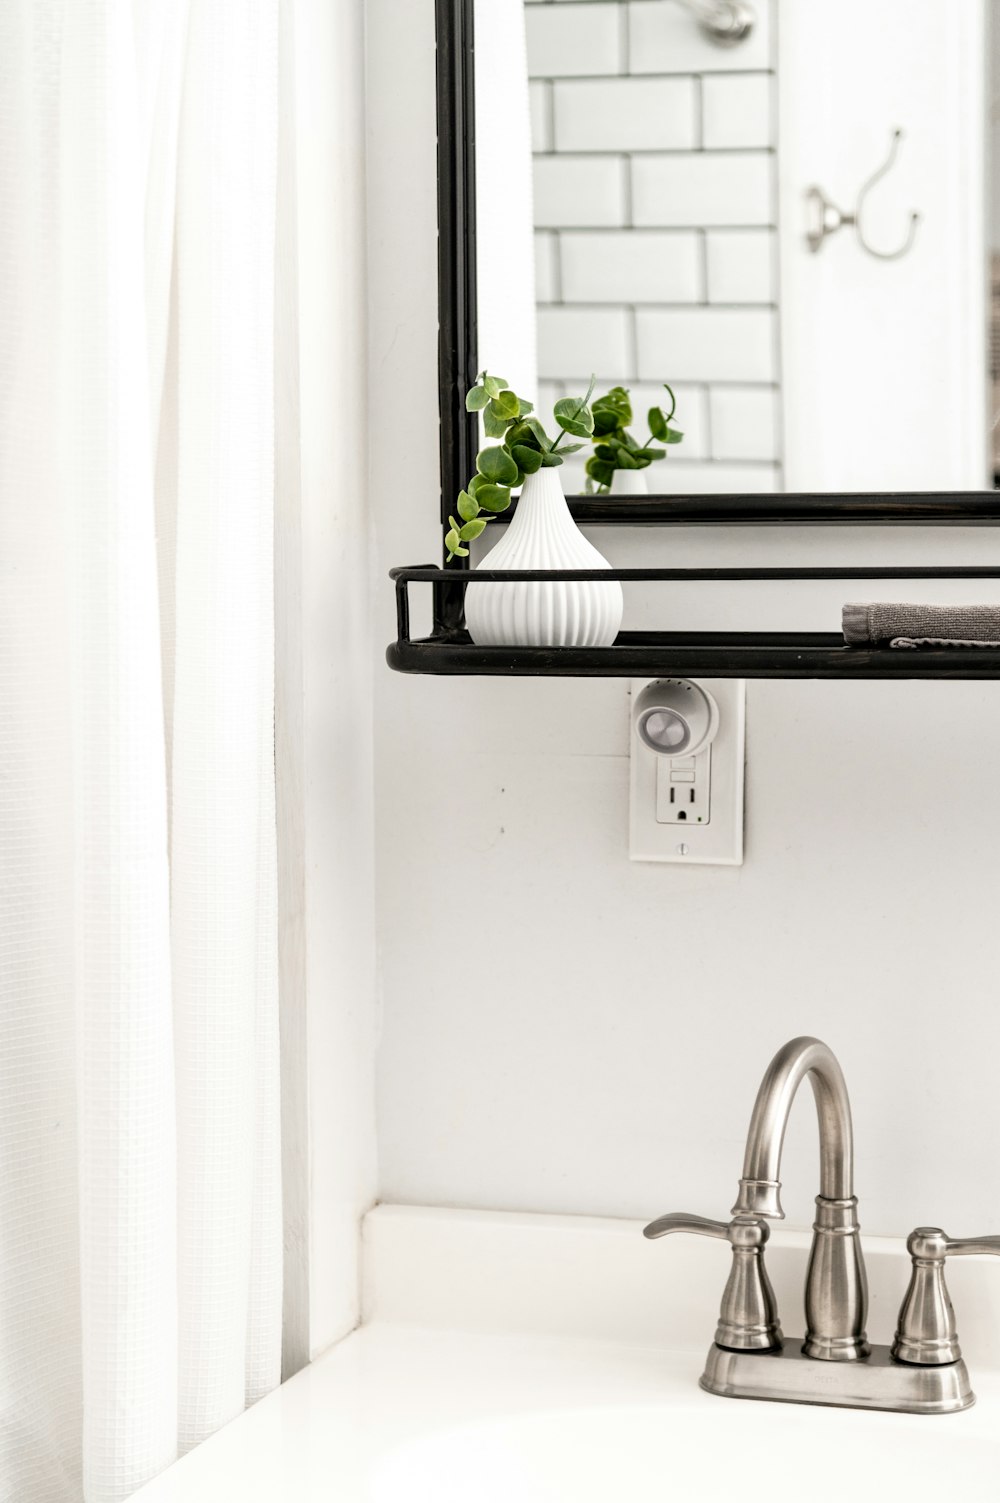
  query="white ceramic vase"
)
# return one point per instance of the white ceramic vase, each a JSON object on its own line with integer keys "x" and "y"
{"x": 557, "y": 613}
{"x": 629, "y": 483}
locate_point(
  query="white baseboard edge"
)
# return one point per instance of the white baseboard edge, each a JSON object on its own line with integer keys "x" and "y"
{"x": 592, "y": 1278}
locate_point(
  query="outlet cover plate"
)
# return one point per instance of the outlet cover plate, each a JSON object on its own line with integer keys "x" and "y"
{"x": 717, "y": 841}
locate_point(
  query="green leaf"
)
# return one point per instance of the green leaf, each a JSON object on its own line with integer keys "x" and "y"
{"x": 655, "y": 453}
{"x": 674, "y": 436}
{"x": 494, "y": 497}
{"x": 574, "y": 416}
{"x": 523, "y": 407}
{"x": 570, "y": 448}
{"x": 497, "y": 466}
{"x": 494, "y": 384}
{"x": 598, "y": 470}
{"x": 472, "y": 529}
{"x": 493, "y": 426}
{"x": 468, "y": 507}
{"x": 627, "y": 460}
{"x": 476, "y": 399}
{"x": 616, "y": 403}
{"x": 529, "y": 460}
{"x": 550, "y": 460}
{"x": 658, "y": 424}
{"x": 541, "y": 436}
{"x": 604, "y": 422}
{"x": 607, "y": 452}
{"x": 475, "y": 485}
{"x": 519, "y": 433}
{"x": 506, "y": 405}
{"x": 453, "y": 545}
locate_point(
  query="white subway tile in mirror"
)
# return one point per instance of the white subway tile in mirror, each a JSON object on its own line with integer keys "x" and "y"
{"x": 630, "y": 266}
{"x": 625, "y": 114}
{"x": 583, "y": 38}
{"x": 655, "y": 208}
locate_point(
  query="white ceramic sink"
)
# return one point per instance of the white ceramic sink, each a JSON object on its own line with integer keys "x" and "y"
{"x": 518, "y": 1359}
{"x": 394, "y": 1416}
{"x": 643, "y": 1452}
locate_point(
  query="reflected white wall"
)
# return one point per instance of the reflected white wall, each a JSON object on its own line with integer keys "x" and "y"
{"x": 885, "y": 361}
{"x": 505, "y": 223}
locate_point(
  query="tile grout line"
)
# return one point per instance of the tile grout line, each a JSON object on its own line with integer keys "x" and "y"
{"x": 655, "y": 75}
{"x": 657, "y": 151}
{"x": 692, "y": 306}
{"x": 625, "y": 40}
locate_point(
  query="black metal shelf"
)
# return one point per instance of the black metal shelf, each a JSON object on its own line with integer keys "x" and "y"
{"x": 705, "y": 655}
{"x": 654, "y": 654}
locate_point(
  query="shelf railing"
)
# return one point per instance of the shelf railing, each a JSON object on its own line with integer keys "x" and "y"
{"x": 648, "y": 654}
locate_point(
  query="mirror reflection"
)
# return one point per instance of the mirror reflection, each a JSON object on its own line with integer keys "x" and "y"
{"x": 785, "y": 210}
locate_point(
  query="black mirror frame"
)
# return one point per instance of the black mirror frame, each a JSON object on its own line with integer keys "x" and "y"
{"x": 458, "y": 360}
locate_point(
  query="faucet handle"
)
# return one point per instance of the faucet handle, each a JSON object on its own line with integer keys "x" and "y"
{"x": 684, "y": 1221}
{"x": 748, "y": 1320}
{"x": 969, "y": 1246}
{"x": 926, "y": 1334}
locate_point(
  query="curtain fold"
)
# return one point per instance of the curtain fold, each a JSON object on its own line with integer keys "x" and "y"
{"x": 140, "y": 1194}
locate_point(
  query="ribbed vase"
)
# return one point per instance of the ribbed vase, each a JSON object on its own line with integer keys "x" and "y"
{"x": 630, "y": 483}
{"x": 557, "y": 613}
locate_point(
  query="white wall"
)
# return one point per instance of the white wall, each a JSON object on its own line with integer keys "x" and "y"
{"x": 885, "y": 361}
{"x": 324, "y": 699}
{"x": 565, "y": 1031}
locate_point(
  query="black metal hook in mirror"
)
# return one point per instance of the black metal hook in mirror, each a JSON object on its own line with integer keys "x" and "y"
{"x": 825, "y": 219}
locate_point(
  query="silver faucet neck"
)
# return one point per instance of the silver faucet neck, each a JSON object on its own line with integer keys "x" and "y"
{"x": 760, "y": 1186}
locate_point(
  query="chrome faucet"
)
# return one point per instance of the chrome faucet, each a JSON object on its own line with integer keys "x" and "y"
{"x": 923, "y": 1371}
{"x": 836, "y": 1287}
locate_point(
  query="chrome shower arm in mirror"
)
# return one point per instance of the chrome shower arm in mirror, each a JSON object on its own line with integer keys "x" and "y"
{"x": 727, "y": 22}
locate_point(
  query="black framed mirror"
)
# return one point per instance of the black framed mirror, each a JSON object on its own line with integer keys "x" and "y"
{"x": 668, "y": 142}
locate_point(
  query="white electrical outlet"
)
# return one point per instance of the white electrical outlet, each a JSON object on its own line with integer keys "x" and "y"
{"x": 688, "y": 809}
{"x": 684, "y": 789}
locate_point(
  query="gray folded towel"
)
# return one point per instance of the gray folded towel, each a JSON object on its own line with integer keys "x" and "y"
{"x": 922, "y": 625}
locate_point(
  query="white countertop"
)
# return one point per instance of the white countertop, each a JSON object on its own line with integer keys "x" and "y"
{"x": 514, "y": 1358}
{"x": 417, "y": 1416}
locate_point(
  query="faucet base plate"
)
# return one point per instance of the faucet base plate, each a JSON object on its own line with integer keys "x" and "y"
{"x": 873, "y": 1382}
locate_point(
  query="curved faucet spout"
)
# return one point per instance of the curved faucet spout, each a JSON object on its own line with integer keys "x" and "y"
{"x": 836, "y": 1287}
{"x": 760, "y": 1187}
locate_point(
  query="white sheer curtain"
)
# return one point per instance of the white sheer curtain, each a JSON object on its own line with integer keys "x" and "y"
{"x": 140, "y": 1195}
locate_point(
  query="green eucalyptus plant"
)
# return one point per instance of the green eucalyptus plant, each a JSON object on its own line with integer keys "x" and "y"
{"x": 524, "y": 449}
{"x": 615, "y": 448}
